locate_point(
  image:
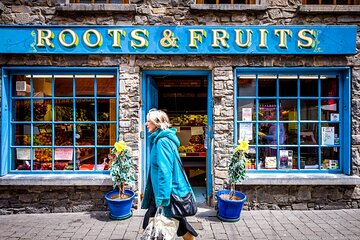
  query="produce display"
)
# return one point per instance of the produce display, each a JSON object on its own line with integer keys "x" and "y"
{"x": 189, "y": 120}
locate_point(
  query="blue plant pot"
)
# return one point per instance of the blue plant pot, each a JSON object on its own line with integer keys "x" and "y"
{"x": 120, "y": 208}
{"x": 230, "y": 210}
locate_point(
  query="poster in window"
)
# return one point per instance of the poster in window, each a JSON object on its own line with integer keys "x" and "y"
{"x": 63, "y": 154}
{"x": 245, "y": 132}
{"x": 23, "y": 153}
{"x": 327, "y": 135}
{"x": 246, "y": 114}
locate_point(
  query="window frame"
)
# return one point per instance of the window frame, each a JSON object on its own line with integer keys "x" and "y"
{"x": 7, "y": 122}
{"x": 344, "y": 97}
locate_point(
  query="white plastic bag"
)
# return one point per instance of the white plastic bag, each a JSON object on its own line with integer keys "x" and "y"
{"x": 160, "y": 227}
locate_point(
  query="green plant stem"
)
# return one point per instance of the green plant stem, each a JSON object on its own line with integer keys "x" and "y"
{"x": 232, "y": 190}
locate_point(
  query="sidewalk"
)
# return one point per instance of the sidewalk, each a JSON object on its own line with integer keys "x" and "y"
{"x": 260, "y": 224}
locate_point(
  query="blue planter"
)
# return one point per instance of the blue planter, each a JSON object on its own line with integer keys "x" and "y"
{"x": 229, "y": 210}
{"x": 120, "y": 208}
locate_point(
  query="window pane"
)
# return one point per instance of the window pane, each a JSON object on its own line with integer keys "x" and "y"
{"x": 267, "y": 158}
{"x": 22, "y": 134}
{"x": 330, "y": 158}
{"x": 63, "y": 86}
{"x": 43, "y": 159}
{"x": 309, "y": 86}
{"x": 288, "y": 110}
{"x": 309, "y": 158}
{"x": 106, "y": 134}
{"x": 22, "y": 110}
{"x": 290, "y": 136}
{"x": 329, "y": 110}
{"x": 267, "y": 85}
{"x": 309, "y": 110}
{"x": 21, "y": 85}
{"x": 85, "y": 110}
{"x": 64, "y": 158}
{"x": 246, "y": 85}
{"x": 42, "y": 86}
{"x": 85, "y": 134}
{"x": 267, "y": 110}
{"x": 246, "y": 110}
{"x": 309, "y": 133}
{"x": 103, "y": 158}
{"x": 42, "y": 110}
{"x": 64, "y": 110}
{"x": 42, "y": 135}
{"x": 106, "y": 85}
{"x": 329, "y": 86}
{"x": 106, "y": 110}
{"x": 288, "y": 86}
{"x": 330, "y": 134}
{"x": 21, "y": 160}
{"x": 85, "y": 159}
{"x": 247, "y": 132}
{"x": 288, "y": 158}
{"x": 84, "y": 86}
{"x": 63, "y": 135}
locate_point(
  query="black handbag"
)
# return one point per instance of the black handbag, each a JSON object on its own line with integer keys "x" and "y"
{"x": 183, "y": 206}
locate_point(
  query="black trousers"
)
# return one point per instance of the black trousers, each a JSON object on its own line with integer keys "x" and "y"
{"x": 184, "y": 226}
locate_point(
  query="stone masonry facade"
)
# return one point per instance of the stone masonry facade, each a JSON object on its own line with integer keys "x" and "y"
{"x": 19, "y": 199}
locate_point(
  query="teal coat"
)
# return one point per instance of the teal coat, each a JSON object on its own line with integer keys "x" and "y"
{"x": 165, "y": 174}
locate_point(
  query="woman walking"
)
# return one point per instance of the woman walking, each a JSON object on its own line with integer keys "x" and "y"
{"x": 165, "y": 175}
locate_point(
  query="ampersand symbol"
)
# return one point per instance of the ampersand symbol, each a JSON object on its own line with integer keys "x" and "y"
{"x": 168, "y": 39}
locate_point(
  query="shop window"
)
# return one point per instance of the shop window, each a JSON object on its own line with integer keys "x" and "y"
{"x": 331, "y": 2}
{"x": 61, "y": 122}
{"x": 294, "y": 121}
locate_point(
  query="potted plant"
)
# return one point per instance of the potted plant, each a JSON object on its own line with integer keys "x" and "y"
{"x": 230, "y": 202}
{"x": 122, "y": 173}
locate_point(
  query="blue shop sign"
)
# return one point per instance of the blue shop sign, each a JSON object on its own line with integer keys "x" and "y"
{"x": 178, "y": 39}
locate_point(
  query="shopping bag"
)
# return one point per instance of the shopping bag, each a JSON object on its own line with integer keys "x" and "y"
{"x": 160, "y": 227}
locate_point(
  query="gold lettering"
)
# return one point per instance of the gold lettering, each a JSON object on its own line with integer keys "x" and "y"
{"x": 86, "y": 38}
{"x": 75, "y": 39}
{"x": 283, "y": 33}
{"x": 141, "y": 41}
{"x": 44, "y": 37}
{"x": 196, "y": 35}
{"x": 220, "y": 35}
{"x": 239, "y": 36}
{"x": 116, "y": 33}
{"x": 263, "y": 38}
{"x": 308, "y": 40}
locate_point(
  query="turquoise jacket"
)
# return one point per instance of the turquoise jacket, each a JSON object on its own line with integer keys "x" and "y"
{"x": 165, "y": 175}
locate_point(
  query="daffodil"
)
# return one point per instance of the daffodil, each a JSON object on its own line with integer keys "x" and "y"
{"x": 119, "y": 147}
{"x": 243, "y": 146}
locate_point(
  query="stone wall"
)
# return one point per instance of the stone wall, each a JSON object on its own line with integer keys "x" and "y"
{"x": 158, "y": 12}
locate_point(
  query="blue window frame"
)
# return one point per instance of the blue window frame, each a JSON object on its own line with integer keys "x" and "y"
{"x": 296, "y": 119}
{"x": 58, "y": 120}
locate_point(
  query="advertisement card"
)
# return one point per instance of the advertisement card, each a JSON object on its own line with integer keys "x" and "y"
{"x": 247, "y": 114}
{"x": 63, "y": 154}
{"x": 327, "y": 135}
{"x": 23, "y": 153}
{"x": 245, "y": 131}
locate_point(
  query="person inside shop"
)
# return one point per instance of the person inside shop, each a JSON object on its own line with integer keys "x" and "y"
{"x": 165, "y": 176}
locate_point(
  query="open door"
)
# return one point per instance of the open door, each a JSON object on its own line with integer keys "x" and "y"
{"x": 5, "y": 118}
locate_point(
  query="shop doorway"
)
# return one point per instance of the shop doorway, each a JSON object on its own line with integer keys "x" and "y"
{"x": 186, "y": 97}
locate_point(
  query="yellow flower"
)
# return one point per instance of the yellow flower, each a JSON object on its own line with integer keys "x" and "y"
{"x": 243, "y": 146}
{"x": 120, "y": 146}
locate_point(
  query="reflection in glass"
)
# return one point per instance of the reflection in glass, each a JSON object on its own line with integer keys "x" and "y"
{"x": 63, "y": 134}
{"x": 103, "y": 158}
{"x": 42, "y": 86}
{"x": 267, "y": 110}
{"x": 330, "y": 110}
{"x": 329, "y": 86}
{"x": 309, "y": 158}
{"x": 330, "y": 158}
{"x": 246, "y": 110}
{"x": 309, "y": 109}
{"x": 309, "y": 86}
{"x": 267, "y": 85}
{"x": 106, "y": 85}
{"x": 21, "y": 86}
{"x": 106, "y": 134}
{"x": 84, "y": 86}
{"x": 288, "y": 87}
{"x": 22, "y": 133}
{"x": 246, "y": 85}
{"x": 42, "y": 110}
{"x": 42, "y": 135}
{"x": 309, "y": 133}
{"x": 106, "y": 109}
{"x": 85, "y": 134}
{"x": 290, "y": 136}
{"x": 22, "y": 110}
{"x": 288, "y": 109}
{"x": 63, "y": 86}
{"x": 85, "y": 109}
{"x": 64, "y": 110}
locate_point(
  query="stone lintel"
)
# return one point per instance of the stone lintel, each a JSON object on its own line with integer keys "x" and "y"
{"x": 330, "y": 9}
{"x": 227, "y": 7}
{"x": 83, "y": 7}
{"x": 57, "y": 180}
{"x": 301, "y": 179}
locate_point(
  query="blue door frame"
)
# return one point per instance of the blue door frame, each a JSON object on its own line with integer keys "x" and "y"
{"x": 146, "y": 106}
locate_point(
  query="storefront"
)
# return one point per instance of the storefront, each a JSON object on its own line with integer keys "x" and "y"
{"x": 69, "y": 92}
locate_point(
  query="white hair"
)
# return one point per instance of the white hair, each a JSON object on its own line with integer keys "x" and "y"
{"x": 159, "y": 118}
